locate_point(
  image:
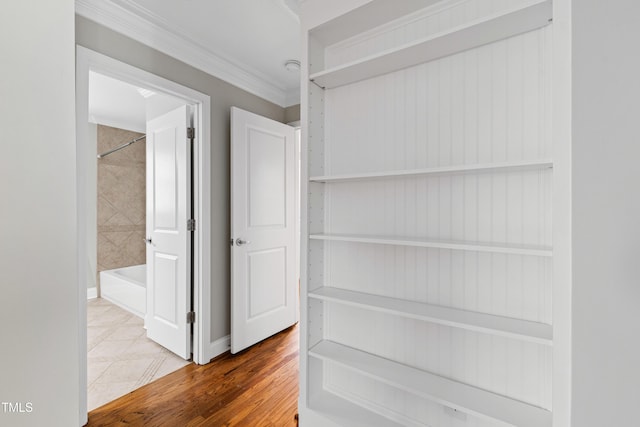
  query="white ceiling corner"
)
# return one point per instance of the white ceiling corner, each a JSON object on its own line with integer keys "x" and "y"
{"x": 139, "y": 23}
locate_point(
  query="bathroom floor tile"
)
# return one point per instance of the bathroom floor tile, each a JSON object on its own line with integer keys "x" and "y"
{"x": 125, "y": 371}
{"x": 126, "y": 332}
{"x": 95, "y": 369}
{"x": 109, "y": 350}
{"x": 97, "y": 334}
{"x": 170, "y": 364}
{"x": 143, "y": 346}
{"x": 120, "y": 357}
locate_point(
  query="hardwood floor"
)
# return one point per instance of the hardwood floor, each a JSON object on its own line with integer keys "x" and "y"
{"x": 257, "y": 387}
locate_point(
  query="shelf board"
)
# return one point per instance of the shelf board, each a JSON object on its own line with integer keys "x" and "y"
{"x": 345, "y": 413}
{"x": 477, "y": 33}
{"x": 539, "y": 333}
{"x": 466, "y": 398}
{"x": 503, "y": 167}
{"x": 438, "y": 244}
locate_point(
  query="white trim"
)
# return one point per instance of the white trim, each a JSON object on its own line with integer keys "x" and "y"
{"x": 88, "y": 60}
{"x": 219, "y": 346}
{"x": 561, "y": 93}
{"x": 141, "y": 25}
{"x": 82, "y": 154}
{"x": 92, "y": 293}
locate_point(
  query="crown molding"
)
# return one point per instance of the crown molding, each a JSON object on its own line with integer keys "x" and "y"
{"x": 125, "y": 17}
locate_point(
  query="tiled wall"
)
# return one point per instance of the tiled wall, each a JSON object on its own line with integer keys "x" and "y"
{"x": 121, "y": 200}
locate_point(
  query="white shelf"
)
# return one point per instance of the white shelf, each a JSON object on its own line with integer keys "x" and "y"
{"x": 346, "y": 413}
{"x": 525, "y": 330}
{"x": 463, "y": 397}
{"x": 458, "y": 39}
{"x": 438, "y": 244}
{"x": 503, "y": 167}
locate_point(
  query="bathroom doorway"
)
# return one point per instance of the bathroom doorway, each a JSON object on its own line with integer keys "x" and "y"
{"x": 122, "y": 352}
{"x": 112, "y": 218}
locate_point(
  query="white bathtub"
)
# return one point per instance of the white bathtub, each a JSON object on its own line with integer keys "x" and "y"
{"x": 126, "y": 287}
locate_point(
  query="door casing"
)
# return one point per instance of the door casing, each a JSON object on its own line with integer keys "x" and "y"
{"x": 87, "y": 61}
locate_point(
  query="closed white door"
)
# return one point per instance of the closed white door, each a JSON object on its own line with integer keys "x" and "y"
{"x": 168, "y": 239}
{"x": 263, "y": 252}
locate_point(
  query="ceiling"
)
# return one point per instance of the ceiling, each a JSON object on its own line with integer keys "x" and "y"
{"x": 244, "y": 42}
{"x": 115, "y": 103}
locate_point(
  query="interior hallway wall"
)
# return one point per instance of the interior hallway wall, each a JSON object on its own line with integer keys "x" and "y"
{"x": 292, "y": 113}
{"x": 223, "y": 96}
{"x": 121, "y": 201}
{"x": 606, "y": 213}
{"x": 38, "y": 233}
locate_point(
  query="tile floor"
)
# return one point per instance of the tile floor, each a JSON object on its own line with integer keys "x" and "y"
{"x": 120, "y": 356}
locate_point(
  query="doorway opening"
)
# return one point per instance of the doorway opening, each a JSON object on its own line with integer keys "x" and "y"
{"x": 113, "y": 226}
{"x": 122, "y": 352}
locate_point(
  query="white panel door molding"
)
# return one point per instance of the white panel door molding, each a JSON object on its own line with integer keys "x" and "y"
{"x": 263, "y": 272}
{"x": 168, "y": 240}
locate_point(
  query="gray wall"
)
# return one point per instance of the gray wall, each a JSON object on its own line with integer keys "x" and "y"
{"x": 292, "y": 113}
{"x": 39, "y": 339}
{"x": 223, "y": 96}
{"x": 606, "y": 213}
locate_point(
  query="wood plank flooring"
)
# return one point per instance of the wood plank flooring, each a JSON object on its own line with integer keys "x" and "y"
{"x": 257, "y": 387}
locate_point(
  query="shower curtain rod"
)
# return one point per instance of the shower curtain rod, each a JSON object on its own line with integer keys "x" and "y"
{"x": 106, "y": 153}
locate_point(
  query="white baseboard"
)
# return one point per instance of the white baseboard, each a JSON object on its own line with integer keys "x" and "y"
{"x": 92, "y": 293}
{"x": 218, "y": 347}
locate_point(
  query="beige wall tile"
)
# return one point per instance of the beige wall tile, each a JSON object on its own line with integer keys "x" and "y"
{"x": 121, "y": 200}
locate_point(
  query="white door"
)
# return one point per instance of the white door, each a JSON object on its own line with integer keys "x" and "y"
{"x": 263, "y": 252}
{"x": 168, "y": 240}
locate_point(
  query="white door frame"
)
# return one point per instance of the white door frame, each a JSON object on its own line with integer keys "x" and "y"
{"x": 87, "y": 61}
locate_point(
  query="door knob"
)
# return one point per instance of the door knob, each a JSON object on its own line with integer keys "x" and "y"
{"x": 241, "y": 242}
{"x": 148, "y": 240}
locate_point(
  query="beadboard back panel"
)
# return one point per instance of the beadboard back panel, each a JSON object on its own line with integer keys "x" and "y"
{"x": 487, "y": 105}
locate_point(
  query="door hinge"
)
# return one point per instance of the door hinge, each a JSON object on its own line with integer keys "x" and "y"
{"x": 191, "y": 133}
{"x": 191, "y": 225}
{"x": 191, "y": 317}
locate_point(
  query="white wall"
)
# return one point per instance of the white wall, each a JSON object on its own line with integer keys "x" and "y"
{"x": 606, "y": 219}
{"x": 38, "y": 268}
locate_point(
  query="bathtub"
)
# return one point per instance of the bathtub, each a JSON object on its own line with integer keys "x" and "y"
{"x": 126, "y": 288}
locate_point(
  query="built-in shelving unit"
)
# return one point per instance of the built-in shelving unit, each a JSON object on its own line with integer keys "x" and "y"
{"x": 440, "y": 244}
{"x": 505, "y": 167}
{"x": 389, "y": 254}
{"x": 463, "y": 319}
{"x": 454, "y": 40}
{"x": 454, "y": 394}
